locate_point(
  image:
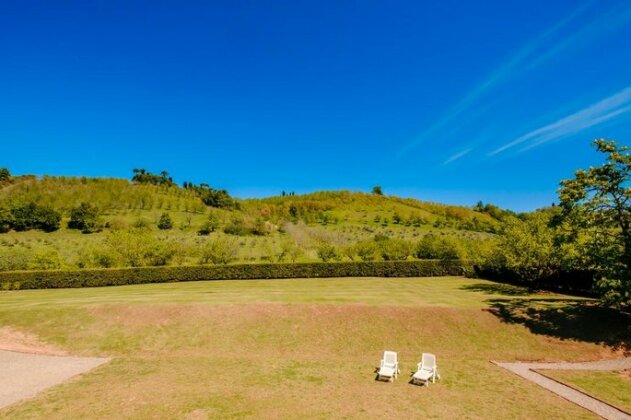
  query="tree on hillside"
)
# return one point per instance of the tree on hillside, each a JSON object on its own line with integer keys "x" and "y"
{"x": 142, "y": 176}
{"x": 377, "y": 190}
{"x": 5, "y": 175}
{"x": 165, "y": 222}
{"x": 596, "y": 203}
{"x": 85, "y": 218}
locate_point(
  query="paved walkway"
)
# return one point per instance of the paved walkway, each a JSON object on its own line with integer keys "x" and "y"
{"x": 23, "y": 375}
{"x": 527, "y": 371}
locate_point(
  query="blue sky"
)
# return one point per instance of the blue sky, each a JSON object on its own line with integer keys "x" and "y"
{"x": 443, "y": 101}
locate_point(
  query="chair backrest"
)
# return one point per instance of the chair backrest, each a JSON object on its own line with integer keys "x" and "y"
{"x": 390, "y": 357}
{"x": 428, "y": 361}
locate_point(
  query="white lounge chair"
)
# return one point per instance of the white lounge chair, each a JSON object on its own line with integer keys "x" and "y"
{"x": 426, "y": 371}
{"x": 389, "y": 367}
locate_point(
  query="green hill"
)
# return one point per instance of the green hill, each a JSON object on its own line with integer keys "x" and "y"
{"x": 292, "y": 227}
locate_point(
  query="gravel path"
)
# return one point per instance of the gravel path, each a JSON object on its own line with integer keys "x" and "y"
{"x": 527, "y": 371}
{"x": 23, "y": 375}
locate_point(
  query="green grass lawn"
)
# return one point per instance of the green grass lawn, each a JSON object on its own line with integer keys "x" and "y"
{"x": 611, "y": 387}
{"x": 308, "y": 347}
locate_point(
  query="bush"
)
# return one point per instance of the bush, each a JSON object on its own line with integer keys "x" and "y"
{"x": 442, "y": 248}
{"x": 328, "y": 252}
{"x": 85, "y": 218}
{"x": 367, "y": 250}
{"x": 165, "y": 222}
{"x": 236, "y": 227}
{"x": 395, "y": 249}
{"x": 210, "y": 225}
{"x": 31, "y": 216}
{"x": 219, "y": 251}
{"x": 14, "y": 258}
{"x": 114, "y": 277}
{"x": 45, "y": 259}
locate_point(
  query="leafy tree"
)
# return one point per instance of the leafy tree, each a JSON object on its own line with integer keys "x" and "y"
{"x": 142, "y": 176}
{"x": 367, "y": 250}
{"x": 219, "y": 251}
{"x": 217, "y": 198}
{"x": 394, "y": 249}
{"x": 596, "y": 205}
{"x": 5, "y": 175}
{"x": 210, "y": 225}
{"x": 85, "y": 218}
{"x": 6, "y": 220}
{"x": 328, "y": 252}
{"x": 31, "y": 216}
{"x": 439, "y": 248}
{"x": 165, "y": 222}
{"x": 528, "y": 247}
{"x": 377, "y": 190}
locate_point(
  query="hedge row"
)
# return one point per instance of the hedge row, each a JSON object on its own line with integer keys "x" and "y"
{"x": 17, "y": 280}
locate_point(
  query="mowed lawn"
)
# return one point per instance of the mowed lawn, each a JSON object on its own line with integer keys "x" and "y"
{"x": 308, "y": 347}
{"x": 611, "y": 387}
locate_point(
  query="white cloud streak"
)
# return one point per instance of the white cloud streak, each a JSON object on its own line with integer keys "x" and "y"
{"x": 457, "y": 156}
{"x": 602, "y": 111}
{"x": 504, "y": 71}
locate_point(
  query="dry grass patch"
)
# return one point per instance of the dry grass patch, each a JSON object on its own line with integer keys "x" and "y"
{"x": 12, "y": 339}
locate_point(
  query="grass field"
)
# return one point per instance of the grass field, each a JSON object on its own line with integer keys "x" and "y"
{"x": 308, "y": 347}
{"x": 611, "y": 387}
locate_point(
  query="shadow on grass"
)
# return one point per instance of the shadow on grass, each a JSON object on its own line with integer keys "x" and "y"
{"x": 498, "y": 289}
{"x": 568, "y": 319}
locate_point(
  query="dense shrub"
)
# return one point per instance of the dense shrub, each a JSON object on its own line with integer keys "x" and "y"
{"x": 395, "y": 249}
{"x": 210, "y": 225}
{"x": 441, "y": 248}
{"x": 165, "y": 222}
{"x": 112, "y": 277}
{"x": 328, "y": 252}
{"x": 219, "y": 251}
{"x": 31, "y": 216}
{"x": 85, "y": 218}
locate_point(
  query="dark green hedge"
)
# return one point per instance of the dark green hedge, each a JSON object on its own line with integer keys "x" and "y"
{"x": 17, "y": 280}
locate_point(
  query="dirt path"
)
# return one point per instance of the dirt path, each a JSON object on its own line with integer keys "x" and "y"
{"x": 528, "y": 371}
{"x": 23, "y": 375}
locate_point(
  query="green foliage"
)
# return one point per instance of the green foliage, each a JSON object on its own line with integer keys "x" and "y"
{"x": 210, "y": 225}
{"x": 367, "y": 250}
{"x": 527, "y": 247}
{"x": 596, "y": 206}
{"x": 328, "y": 252}
{"x": 219, "y": 251}
{"x": 6, "y": 220}
{"x": 14, "y": 258}
{"x": 5, "y": 175}
{"x": 45, "y": 259}
{"x": 31, "y": 216}
{"x": 439, "y": 247}
{"x": 395, "y": 249}
{"x": 85, "y": 218}
{"x": 142, "y": 176}
{"x": 236, "y": 227}
{"x": 165, "y": 222}
{"x": 377, "y": 190}
{"x": 113, "y": 277}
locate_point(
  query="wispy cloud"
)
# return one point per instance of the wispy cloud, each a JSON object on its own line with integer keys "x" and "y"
{"x": 457, "y": 156}
{"x": 494, "y": 78}
{"x": 594, "y": 114}
{"x": 547, "y": 45}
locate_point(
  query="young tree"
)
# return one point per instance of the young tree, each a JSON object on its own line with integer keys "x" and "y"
{"x": 165, "y": 222}
{"x": 328, "y": 252}
{"x": 377, "y": 190}
{"x": 5, "y": 175}
{"x": 596, "y": 202}
{"x": 85, "y": 217}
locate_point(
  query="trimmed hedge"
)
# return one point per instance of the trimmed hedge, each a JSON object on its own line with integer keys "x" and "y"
{"x": 17, "y": 280}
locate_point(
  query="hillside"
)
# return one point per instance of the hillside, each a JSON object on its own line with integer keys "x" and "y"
{"x": 127, "y": 215}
